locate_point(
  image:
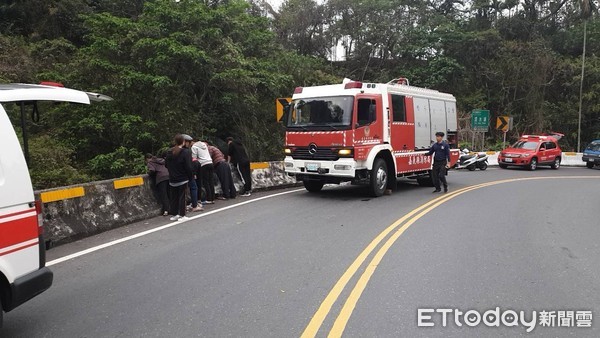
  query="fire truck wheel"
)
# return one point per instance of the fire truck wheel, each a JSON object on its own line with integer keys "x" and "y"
{"x": 313, "y": 186}
{"x": 379, "y": 177}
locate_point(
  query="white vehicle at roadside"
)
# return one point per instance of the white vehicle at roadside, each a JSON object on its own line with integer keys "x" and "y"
{"x": 23, "y": 274}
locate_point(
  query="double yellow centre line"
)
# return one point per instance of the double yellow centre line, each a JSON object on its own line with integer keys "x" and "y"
{"x": 400, "y": 226}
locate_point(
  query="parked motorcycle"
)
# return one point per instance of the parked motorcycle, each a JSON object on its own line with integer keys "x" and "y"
{"x": 472, "y": 162}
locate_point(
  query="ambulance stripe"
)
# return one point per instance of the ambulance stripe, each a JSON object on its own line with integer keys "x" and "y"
{"x": 16, "y": 229}
{"x": 17, "y": 247}
{"x": 16, "y": 213}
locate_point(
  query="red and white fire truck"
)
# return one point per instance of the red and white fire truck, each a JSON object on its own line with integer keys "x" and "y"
{"x": 366, "y": 133}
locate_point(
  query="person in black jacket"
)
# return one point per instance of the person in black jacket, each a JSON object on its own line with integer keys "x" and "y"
{"x": 239, "y": 158}
{"x": 179, "y": 164}
{"x": 441, "y": 158}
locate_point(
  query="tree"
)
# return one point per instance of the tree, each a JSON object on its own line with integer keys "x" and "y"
{"x": 213, "y": 68}
{"x": 301, "y": 25}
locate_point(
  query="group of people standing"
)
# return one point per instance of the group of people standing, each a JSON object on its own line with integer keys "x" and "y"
{"x": 189, "y": 166}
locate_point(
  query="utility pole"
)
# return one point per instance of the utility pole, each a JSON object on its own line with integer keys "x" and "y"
{"x": 581, "y": 85}
{"x": 586, "y": 13}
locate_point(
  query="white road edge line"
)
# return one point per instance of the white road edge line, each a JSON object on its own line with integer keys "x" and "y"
{"x": 163, "y": 227}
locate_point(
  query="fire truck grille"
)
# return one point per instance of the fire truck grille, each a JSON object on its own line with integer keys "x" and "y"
{"x": 321, "y": 154}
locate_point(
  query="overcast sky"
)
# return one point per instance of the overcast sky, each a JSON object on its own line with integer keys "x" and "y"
{"x": 275, "y": 3}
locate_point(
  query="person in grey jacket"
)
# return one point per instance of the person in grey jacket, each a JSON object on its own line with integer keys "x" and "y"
{"x": 160, "y": 177}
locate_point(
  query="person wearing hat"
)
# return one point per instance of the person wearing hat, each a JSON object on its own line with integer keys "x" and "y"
{"x": 441, "y": 158}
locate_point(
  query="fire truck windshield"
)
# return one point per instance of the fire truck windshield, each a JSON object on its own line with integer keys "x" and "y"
{"x": 321, "y": 113}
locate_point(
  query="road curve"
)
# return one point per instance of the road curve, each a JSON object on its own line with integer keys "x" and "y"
{"x": 263, "y": 269}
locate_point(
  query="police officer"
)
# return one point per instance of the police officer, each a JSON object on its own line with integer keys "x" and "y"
{"x": 441, "y": 160}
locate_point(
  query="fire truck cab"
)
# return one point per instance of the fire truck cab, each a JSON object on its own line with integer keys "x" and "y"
{"x": 366, "y": 133}
{"x": 23, "y": 273}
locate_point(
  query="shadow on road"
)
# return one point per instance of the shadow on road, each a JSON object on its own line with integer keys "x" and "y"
{"x": 347, "y": 192}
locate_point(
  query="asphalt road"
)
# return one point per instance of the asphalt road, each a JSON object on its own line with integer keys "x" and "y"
{"x": 264, "y": 268}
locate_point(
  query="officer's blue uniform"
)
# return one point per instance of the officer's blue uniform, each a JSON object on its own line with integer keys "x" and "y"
{"x": 441, "y": 157}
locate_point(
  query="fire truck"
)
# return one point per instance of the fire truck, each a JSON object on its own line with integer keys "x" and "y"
{"x": 366, "y": 133}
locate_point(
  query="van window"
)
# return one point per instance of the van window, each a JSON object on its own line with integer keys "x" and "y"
{"x": 398, "y": 108}
{"x": 366, "y": 112}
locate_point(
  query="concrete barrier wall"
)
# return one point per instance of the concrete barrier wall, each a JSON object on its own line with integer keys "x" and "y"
{"x": 71, "y": 213}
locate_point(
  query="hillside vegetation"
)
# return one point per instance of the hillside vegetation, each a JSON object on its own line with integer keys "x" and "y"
{"x": 214, "y": 68}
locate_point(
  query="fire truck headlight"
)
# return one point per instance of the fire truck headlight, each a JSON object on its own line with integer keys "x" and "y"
{"x": 287, "y": 151}
{"x": 345, "y": 152}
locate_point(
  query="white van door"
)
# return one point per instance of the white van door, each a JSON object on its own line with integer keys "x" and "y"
{"x": 23, "y": 274}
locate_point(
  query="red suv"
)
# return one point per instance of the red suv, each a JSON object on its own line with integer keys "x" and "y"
{"x": 531, "y": 151}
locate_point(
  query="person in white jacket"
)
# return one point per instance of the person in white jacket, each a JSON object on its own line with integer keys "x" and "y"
{"x": 201, "y": 154}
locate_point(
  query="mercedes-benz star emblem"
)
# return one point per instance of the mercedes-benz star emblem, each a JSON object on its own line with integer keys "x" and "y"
{"x": 312, "y": 148}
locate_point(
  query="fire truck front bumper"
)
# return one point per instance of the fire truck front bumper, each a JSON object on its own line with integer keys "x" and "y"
{"x": 343, "y": 167}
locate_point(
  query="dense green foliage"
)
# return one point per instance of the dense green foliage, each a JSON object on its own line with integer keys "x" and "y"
{"x": 214, "y": 68}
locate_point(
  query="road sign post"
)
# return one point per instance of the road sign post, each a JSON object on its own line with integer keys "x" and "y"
{"x": 480, "y": 121}
{"x": 505, "y": 124}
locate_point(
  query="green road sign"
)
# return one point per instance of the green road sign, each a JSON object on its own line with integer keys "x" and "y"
{"x": 480, "y": 119}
